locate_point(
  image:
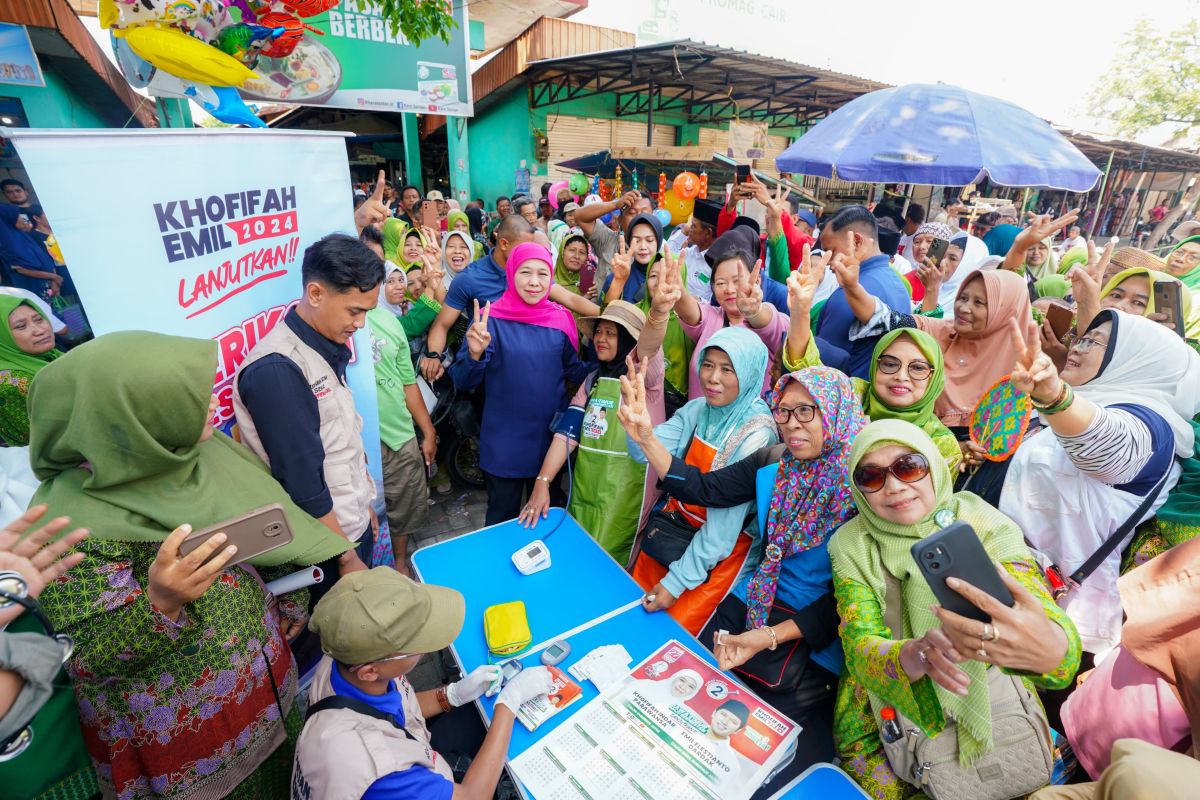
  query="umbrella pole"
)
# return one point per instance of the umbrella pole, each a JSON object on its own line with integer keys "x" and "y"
{"x": 1100, "y": 198}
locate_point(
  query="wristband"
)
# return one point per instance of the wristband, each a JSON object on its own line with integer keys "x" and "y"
{"x": 431, "y": 354}
{"x": 443, "y": 699}
{"x": 545, "y": 480}
{"x": 1064, "y": 402}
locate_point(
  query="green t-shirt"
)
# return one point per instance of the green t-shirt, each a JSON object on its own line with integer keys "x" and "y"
{"x": 393, "y": 371}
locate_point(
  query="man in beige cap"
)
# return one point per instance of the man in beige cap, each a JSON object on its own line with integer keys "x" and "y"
{"x": 366, "y": 734}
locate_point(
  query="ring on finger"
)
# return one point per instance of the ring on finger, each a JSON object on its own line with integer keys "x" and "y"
{"x": 924, "y": 656}
{"x": 987, "y": 634}
{"x": 982, "y": 652}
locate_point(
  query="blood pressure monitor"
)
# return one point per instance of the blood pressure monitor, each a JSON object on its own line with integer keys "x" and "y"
{"x": 533, "y": 557}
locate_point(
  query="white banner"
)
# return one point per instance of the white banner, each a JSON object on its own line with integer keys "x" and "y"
{"x": 197, "y": 234}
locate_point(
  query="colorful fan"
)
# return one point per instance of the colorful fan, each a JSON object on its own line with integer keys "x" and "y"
{"x": 999, "y": 420}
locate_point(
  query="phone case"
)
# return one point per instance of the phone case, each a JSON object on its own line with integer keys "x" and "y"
{"x": 1061, "y": 319}
{"x": 255, "y": 532}
{"x": 956, "y": 552}
{"x": 937, "y": 249}
{"x": 1167, "y": 301}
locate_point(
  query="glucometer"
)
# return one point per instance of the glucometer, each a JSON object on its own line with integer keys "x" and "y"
{"x": 533, "y": 557}
{"x": 556, "y": 652}
{"x": 509, "y": 669}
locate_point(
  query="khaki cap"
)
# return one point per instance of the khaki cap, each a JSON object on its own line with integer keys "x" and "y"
{"x": 371, "y": 614}
{"x": 622, "y": 313}
{"x": 1133, "y": 258}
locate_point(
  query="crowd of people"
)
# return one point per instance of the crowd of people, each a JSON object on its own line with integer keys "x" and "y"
{"x": 758, "y": 414}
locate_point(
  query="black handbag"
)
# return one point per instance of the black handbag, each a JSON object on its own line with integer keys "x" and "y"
{"x": 666, "y": 537}
{"x": 778, "y": 670}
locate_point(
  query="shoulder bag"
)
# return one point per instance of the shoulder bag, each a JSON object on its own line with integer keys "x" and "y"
{"x": 1021, "y": 762}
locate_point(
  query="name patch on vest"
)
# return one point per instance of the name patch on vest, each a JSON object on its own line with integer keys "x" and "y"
{"x": 321, "y": 388}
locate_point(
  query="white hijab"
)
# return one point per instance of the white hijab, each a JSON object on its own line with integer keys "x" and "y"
{"x": 973, "y": 255}
{"x": 449, "y": 271}
{"x": 1150, "y": 366}
{"x": 399, "y": 309}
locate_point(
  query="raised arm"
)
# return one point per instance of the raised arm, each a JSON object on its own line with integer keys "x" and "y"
{"x": 667, "y": 291}
{"x": 802, "y": 288}
{"x": 1086, "y": 284}
{"x": 1040, "y": 227}
{"x": 634, "y": 415}
{"x": 431, "y": 258}
{"x": 687, "y": 307}
{"x": 862, "y": 302}
{"x": 621, "y": 265}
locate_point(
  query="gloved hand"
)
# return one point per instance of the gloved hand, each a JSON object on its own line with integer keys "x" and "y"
{"x": 529, "y": 683}
{"x": 482, "y": 680}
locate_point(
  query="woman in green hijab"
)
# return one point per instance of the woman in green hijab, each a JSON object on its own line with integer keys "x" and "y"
{"x": 26, "y": 345}
{"x": 934, "y": 666}
{"x": 906, "y": 377}
{"x": 572, "y": 258}
{"x": 1184, "y": 262}
{"x": 185, "y": 682}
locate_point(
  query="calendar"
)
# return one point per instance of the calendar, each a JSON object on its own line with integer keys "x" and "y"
{"x": 674, "y": 729}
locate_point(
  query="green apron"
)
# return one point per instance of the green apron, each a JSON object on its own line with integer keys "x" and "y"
{"x": 608, "y": 487}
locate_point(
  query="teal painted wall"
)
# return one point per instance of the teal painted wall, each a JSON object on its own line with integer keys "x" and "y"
{"x": 56, "y": 105}
{"x": 500, "y": 138}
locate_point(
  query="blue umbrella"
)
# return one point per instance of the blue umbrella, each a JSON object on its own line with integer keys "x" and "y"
{"x": 939, "y": 135}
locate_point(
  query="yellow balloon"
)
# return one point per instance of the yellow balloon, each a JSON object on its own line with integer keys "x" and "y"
{"x": 186, "y": 57}
{"x": 680, "y": 209}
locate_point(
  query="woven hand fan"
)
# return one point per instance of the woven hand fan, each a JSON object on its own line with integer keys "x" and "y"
{"x": 999, "y": 419}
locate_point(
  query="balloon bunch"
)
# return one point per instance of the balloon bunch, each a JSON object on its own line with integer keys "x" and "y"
{"x": 204, "y": 49}
{"x": 617, "y": 185}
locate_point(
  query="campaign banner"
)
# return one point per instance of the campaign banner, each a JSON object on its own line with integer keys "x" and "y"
{"x": 197, "y": 234}
{"x": 351, "y": 59}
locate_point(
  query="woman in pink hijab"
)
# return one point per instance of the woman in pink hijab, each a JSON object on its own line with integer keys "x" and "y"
{"x": 523, "y": 349}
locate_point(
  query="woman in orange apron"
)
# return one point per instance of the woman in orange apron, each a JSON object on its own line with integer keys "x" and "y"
{"x": 725, "y": 425}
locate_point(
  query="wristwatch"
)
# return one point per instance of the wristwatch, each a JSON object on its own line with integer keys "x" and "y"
{"x": 433, "y": 355}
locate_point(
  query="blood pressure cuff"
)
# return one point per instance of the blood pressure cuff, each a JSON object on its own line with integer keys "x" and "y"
{"x": 568, "y": 423}
{"x": 506, "y": 628}
{"x": 37, "y": 659}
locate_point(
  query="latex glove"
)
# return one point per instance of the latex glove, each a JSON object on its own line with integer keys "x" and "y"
{"x": 482, "y": 680}
{"x": 530, "y": 682}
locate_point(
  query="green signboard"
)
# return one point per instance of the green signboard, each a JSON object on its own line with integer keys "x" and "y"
{"x": 356, "y": 62}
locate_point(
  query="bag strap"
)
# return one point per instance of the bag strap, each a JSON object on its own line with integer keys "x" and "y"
{"x": 350, "y": 704}
{"x": 1097, "y": 558}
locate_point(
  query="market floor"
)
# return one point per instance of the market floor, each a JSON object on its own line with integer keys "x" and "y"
{"x": 451, "y": 514}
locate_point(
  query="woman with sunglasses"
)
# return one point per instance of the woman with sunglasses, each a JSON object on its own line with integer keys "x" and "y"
{"x": 938, "y": 668}
{"x": 781, "y": 613}
{"x": 906, "y": 375}
{"x": 1119, "y": 415}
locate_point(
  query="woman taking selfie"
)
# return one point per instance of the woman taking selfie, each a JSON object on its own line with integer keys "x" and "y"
{"x": 778, "y": 627}
{"x": 907, "y": 654}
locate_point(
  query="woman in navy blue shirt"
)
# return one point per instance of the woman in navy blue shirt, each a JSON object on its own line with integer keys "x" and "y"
{"x": 525, "y": 349}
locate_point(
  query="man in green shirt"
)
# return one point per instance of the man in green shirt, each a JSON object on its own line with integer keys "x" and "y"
{"x": 406, "y": 464}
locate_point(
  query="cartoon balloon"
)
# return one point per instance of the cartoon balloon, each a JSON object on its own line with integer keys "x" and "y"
{"x": 293, "y": 32}
{"x": 686, "y": 186}
{"x": 231, "y": 108}
{"x": 592, "y": 199}
{"x": 578, "y": 184}
{"x": 678, "y": 209}
{"x": 191, "y": 59}
{"x": 554, "y": 190}
{"x": 244, "y": 42}
{"x": 663, "y": 215}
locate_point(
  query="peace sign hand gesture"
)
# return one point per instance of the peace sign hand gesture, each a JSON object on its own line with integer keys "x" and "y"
{"x": 802, "y": 284}
{"x": 749, "y": 293}
{"x": 478, "y": 337}
{"x": 1042, "y": 227}
{"x": 669, "y": 287}
{"x": 431, "y": 258}
{"x": 621, "y": 262}
{"x": 1033, "y": 372}
{"x": 847, "y": 273}
{"x": 779, "y": 203}
{"x": 634, "y": 413}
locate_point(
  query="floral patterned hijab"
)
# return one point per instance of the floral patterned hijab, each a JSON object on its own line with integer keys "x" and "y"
{"x": 812, "y": 497}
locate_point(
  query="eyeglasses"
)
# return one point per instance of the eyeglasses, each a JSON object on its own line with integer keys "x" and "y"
{"x": 1086, "y": 343}
{"x": 917, "y": 370}
{"x": 803, "y": 413}
{"x": 908, "y": 468}
{"x": 1187, "y": 258}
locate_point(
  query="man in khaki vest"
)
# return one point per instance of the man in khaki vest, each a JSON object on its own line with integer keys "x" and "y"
{"x": 292, "y": 404}
{"x": 367, "y": 734}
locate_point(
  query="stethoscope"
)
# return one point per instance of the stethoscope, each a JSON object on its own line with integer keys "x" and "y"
{"x": 13, "y": 589}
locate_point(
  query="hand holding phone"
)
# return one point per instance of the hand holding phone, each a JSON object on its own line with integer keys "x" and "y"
{"x": 253, "y": 533}
{"x": 1168, "y": 306}
{"x": 956, "y": 552}
{"x": 937, "y": 249}
{"x": 1061, "y": 319}
{"x": 743, "y": 173}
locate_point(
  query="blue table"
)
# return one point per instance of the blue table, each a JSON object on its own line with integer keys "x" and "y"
{"x": 582, "y": 583}
{"x": 821, "y": 782}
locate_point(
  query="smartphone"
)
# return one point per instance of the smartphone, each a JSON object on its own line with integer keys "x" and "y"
{"x": 1167, "y": 301}
{"x": 429, "y": 215}
{"x": 743, "y": 173}
{"x": 509, "y": 669}
{"x": 255, "y": 532}
{"x": 937, "y": 249}
{"x": 956, "y": 552}
{"x": 1061, "y": 318}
